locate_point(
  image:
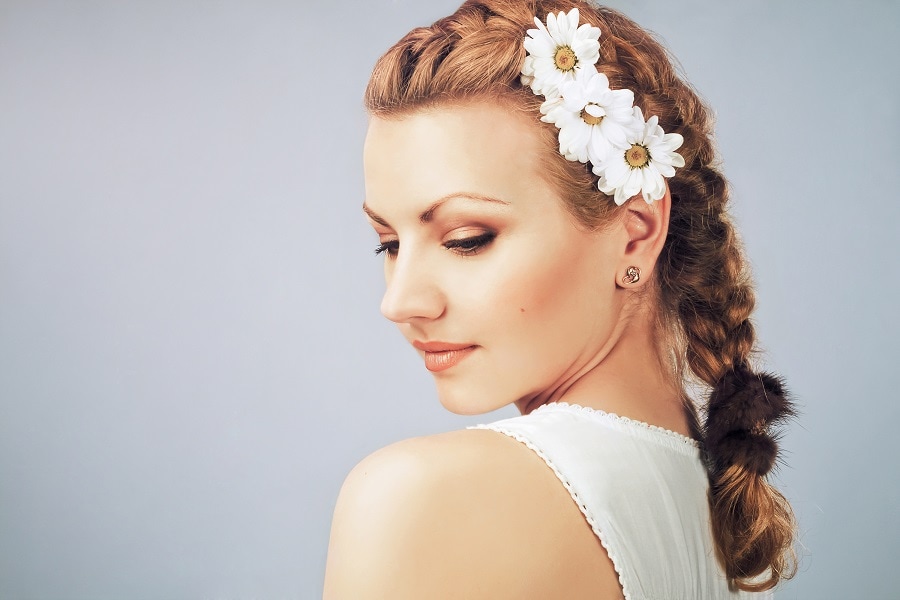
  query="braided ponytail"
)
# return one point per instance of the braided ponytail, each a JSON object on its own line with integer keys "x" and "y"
{"x": 704, "y": 276}
{"x": 704, "y": 291}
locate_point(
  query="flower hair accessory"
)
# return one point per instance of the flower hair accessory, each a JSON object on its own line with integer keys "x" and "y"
{"x": 596, "y": 124}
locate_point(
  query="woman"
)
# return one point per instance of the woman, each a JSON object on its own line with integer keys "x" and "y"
{"x": 545, "y": 194}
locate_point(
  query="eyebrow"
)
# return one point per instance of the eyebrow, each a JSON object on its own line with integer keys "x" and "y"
{"x": 428, "y": 213}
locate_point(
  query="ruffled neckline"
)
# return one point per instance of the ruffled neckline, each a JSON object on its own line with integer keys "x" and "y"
{"x": 626, "y": 422}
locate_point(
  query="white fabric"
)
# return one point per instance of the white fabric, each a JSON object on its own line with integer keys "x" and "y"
{"x": 642, "y": 489}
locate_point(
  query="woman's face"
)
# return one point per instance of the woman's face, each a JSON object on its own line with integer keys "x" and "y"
{"x": 501, "y": 292}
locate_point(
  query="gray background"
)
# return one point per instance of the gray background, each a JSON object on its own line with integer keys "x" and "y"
{"x": 191, "y": 353}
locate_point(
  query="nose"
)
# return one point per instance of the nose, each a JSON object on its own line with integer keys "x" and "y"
{"x": 412, "y": 291}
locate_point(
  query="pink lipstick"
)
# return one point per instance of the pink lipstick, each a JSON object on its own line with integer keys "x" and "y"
{"x": 440, "y": 356}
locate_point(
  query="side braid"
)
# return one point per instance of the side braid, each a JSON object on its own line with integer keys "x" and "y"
{"x": 703, "y": 273}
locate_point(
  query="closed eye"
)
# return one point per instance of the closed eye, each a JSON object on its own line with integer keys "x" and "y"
{"x": 470, "y": 245}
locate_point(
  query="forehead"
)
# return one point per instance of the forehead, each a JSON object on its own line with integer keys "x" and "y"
{"x": 481, "y": 147}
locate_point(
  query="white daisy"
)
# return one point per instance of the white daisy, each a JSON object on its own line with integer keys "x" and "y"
{"x": 650, "y": 156}
{"x": 593, "y": 119}
{"x": 556, "y": 51}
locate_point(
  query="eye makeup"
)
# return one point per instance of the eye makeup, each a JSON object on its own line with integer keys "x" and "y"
{"x": 463, "y": 246}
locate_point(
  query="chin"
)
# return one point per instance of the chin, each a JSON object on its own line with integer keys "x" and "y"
{"x": 468, "y": 400}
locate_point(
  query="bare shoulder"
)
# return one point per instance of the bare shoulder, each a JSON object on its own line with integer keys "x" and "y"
{"x": 468, "y": 513}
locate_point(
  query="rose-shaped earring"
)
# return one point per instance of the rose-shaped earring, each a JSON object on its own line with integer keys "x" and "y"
{"x": 632, "y": 275}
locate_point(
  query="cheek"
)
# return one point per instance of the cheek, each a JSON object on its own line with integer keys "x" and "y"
{"x": 540, "y": 300}
{"x": 532, "y": 295}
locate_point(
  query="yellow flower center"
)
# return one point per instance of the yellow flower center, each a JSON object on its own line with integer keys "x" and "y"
{"x": 565, "y": 59}
{"x": 637, "y": 156}
{"x": 589, "y": 118}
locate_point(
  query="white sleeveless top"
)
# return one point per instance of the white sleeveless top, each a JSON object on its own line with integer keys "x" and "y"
{"x": 643, "y": 490}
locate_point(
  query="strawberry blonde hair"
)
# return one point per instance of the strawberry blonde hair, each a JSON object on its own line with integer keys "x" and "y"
{"x": 701, "y": 281}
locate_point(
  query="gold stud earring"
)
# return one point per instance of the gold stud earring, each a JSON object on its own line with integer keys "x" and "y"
{"x": 632, "y": 275}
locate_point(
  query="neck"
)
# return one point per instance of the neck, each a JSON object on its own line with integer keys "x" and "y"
{"x": 626, "y": 379}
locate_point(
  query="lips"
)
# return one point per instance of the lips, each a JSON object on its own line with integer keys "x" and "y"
{"x": 440, "y": 356}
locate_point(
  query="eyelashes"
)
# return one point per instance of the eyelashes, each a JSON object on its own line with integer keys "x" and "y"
{"x": 389, "y": 247}
{"x": 462, "y": 246}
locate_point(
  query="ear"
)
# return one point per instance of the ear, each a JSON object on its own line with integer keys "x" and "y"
{"x": 646, "y": 226}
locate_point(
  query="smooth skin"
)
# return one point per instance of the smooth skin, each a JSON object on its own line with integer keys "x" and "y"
{"x": 480, "y": 250}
